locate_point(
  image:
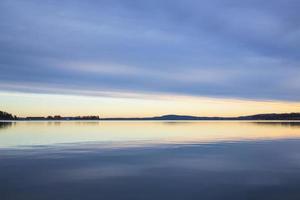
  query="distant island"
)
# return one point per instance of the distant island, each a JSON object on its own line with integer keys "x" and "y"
{"x": 272, "y": 116}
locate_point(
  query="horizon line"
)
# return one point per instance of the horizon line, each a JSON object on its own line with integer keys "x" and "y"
{"x": 295, "y": 115}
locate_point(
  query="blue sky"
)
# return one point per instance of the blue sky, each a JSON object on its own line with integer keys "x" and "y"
{"x": 202, "y": 48}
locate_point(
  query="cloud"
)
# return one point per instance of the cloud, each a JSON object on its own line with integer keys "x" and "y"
{"x": 247, "y": 49}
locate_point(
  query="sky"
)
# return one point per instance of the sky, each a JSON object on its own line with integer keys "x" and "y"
{"x": 143, "y": 58}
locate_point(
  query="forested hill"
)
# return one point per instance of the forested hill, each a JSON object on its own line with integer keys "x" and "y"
{"x": 6, "y": 116}
{"x": 274, "y": 116}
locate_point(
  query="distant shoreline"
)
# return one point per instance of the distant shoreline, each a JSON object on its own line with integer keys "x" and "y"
{"x": 111, "y": 120}
{"x": 264, "y": 117}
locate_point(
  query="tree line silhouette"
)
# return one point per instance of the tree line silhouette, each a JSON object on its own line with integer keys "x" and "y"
{"x": 7, "y": 116}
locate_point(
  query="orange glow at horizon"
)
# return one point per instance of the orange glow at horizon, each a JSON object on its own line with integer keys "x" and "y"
{"x": 23, "y": 104}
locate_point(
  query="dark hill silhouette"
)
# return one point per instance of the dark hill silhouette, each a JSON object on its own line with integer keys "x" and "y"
{"x": 273, "y": 116}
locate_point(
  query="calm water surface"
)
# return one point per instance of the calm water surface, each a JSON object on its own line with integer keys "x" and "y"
{"x": 150, "y": 160}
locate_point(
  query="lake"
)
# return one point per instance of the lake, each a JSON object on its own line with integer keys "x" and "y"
{"x": 140, "y": 160}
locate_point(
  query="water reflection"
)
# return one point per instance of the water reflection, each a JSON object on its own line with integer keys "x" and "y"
{"x": 150, "y": 160}
{"x": 6, "y": 124}
{"x": 245, "y": 170}
{"x": 277, "y": 123}
{"x": 19, "y": 134}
